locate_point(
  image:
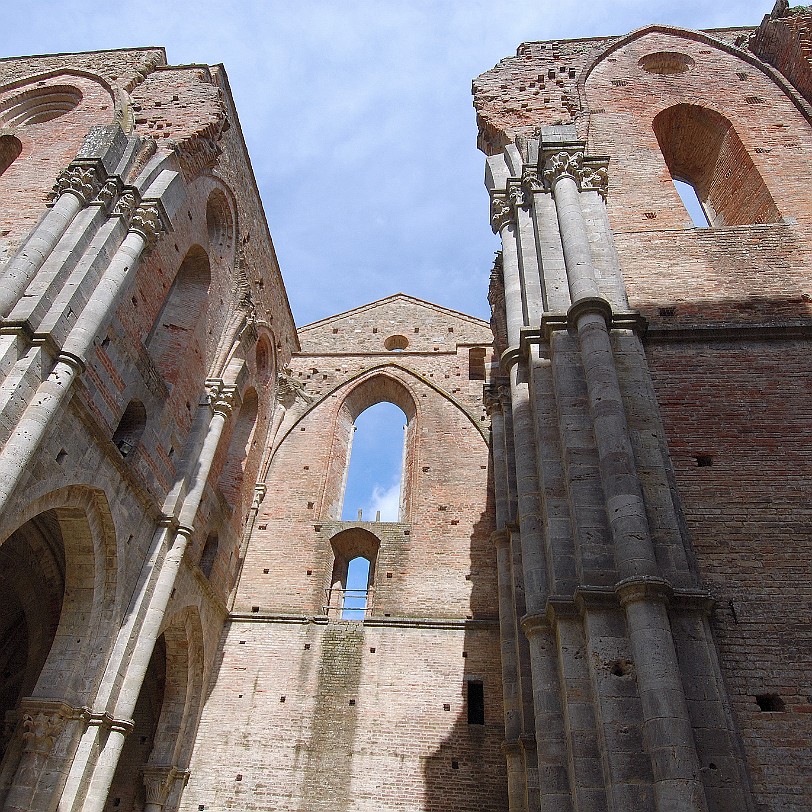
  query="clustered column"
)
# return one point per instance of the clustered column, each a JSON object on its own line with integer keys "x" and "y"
{"x": 667, "y": 726}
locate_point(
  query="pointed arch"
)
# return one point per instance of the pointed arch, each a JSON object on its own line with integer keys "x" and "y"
{"x": 606, "y": 50}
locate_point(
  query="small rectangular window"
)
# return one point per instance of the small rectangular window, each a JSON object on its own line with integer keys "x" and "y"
{"x": 476, "y": 703}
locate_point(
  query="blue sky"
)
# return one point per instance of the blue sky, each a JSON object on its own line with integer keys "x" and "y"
{"x": 358, "y": 118}
{"x": 359, "y": 122}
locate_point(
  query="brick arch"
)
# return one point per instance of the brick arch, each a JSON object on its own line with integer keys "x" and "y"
{"x": 701, "y": 147}
{"x": 377, "y": 387}
{"x": 702, "y": 37}
{"x": 390, "y": 368}
{"x": 349, "y": 544}
{"x": 183, "y": 689}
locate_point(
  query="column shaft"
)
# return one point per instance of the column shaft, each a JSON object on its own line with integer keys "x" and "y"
{"x": 667, "y": 725}
{"x": 36, "y": 249}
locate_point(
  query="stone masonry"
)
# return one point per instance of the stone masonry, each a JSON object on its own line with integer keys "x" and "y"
{"x": 595, "y": 597}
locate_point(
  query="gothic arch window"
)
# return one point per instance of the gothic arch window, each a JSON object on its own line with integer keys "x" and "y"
{"x": 351, "y": 591}
{"x": 10, "y": 149}
{"x": 703, "y": 151}
{"x": 393, "y": 497}
{"x": 177, "y": 340}
{"x": 374, "y": 480}
{"x": 130, "y": 428}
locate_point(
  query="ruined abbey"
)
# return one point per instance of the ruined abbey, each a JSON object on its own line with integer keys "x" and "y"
{"x": 596, "y": 597}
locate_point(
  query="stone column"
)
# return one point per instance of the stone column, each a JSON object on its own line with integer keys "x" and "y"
{"x": 667, "y": 727}
{"x": 18, "y": 453}
{"x": 75, "y": 187}
{"x": 504, "y": 224}
{"x": 551, "y": 745}
{"x": 150, "y": 629}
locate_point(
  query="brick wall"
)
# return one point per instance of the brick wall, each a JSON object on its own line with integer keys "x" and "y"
{"x": 331, "y": 714}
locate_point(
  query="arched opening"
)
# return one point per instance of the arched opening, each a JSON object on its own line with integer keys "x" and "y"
{"x": 374, "y": 482}
{"x": 693, "y": 205}
{"x": 702, "y": 149}
{"x": 10, "y": 149}
{"x": 350, "y": 595}
{"x": 127, "y": 792}
{"x": 242, "y": 440}
{"x": 32, "y": 589}
{"x": 177, "y": 340}
{"x": 56, "y": 584}
{"x": 266, "y": 367}
{"x": 220, "y": 225}
{"x": 356, "y": 592}
{"x": 158, "y": 749}
{"x": 130, "y": 428}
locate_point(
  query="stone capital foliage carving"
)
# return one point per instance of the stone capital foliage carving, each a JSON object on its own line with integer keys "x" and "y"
{"x": 221, "y": 397}
{"x": 288, "y": 390}
{"x": 158, "y": 780}
{"x": 109, "y": 192}
{"x": 126, "y": 205}
{"x": 80, "y": 179}
{"x": 501, "y": 212}
{"x": 591, "y": 174}
{"x": 41, "y": 730}
{"x": 148, "y": 221}
{"x": 490, "y": 397}
{"x": 531, "y": 181}
{"x": 517, "y": 195}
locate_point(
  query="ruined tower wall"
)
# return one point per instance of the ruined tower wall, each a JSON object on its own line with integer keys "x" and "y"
{"x": 726, "y": 341}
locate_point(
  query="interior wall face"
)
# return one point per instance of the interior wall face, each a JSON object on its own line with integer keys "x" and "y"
{"x": 308, "y": 711}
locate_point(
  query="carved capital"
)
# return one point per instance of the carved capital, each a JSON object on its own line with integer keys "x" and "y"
{"x": 490, "y": 397}
{"x": 126, "y": 205}
{"x": 109, "y": 192}
{"x": 500, "y": 538}
{"x": 501, "y": 212}
{"x": 288, "y": 390}
{"x": 535, "y": 624}
{"x": 563, "y": 164}
{"x": 158, "y": 780}
{"x": 41, "y": 730}
{"x": 531, "y": 182}
{"x": 222, "y": 398}
{"x": 517, "y": 195}
{"x": 644, "y": 588}
{"x": 148, "y": 221}
{"x": 595, "y": 178}
{"x": 81, "y": 180}
{"x": 591, "y": 174}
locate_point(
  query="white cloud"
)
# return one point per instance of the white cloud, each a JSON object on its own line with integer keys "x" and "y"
{"x": 387, "y": 500}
